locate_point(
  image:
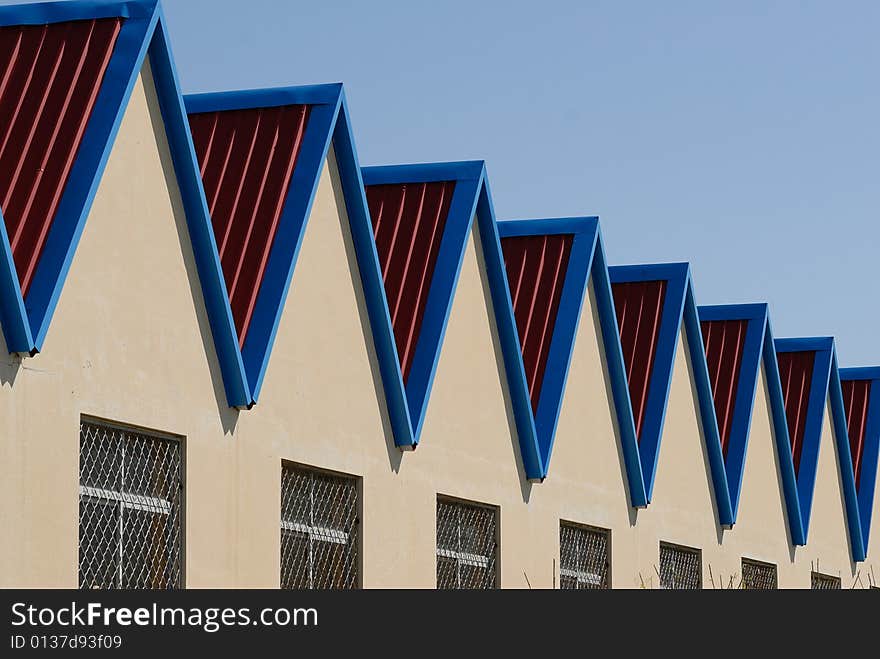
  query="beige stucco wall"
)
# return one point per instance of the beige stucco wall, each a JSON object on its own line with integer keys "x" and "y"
{"x": 130, "y": 342}
{"x": 870, "y": 569}
{"x": 828, "y": 549}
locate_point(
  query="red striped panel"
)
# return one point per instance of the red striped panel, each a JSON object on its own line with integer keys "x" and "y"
{"x": 50, "y": 76}
{"x": 724, "y": 341}
{"x": 796, "y": 374}
{"x": 639, "y": 307}
{"x": 536, "y": 267}
{"x": 408, "y": 224}
{"x": 856, "y": 398}
{"x": 247, "y": 158}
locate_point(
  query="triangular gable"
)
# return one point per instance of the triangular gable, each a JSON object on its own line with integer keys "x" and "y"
{"x": 257, "y": 156}
{"x": 420, "y": 270}
{"x": 259, "y": 256}
{"x": 733, "y": 338}
{"x": 861, "y": 399}
{"x": 652, "y": 304}
{"x": 548, "y": 266}
{"x": 68, "y": 71}
{"x": 808, "y": 377}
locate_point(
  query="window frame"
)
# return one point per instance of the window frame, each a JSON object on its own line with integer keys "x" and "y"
{"x": 587, "y": 528}
{"x": 465, "y": 557}
{"x": 744, "y": 560}
{"x": 326, "y": 531}
{"x": 144, "y": 503}
{"x": 672, "y": 546}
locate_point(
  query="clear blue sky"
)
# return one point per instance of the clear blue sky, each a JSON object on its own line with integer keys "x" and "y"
{"x": 743, "y": 137}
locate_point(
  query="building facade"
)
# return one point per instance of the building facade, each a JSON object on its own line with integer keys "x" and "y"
{"x": 232, "y": 357}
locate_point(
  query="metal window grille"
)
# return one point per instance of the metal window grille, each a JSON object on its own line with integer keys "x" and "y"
{"x": 130, "y": 495}
{"x": 467, "y": 548}
{"x": 319, "y": 529}
{"x": 583, "y": 554}
{"x": 758, "y": 576}
{"x": 680, "y": 567}
{"x": 824, "y": 582}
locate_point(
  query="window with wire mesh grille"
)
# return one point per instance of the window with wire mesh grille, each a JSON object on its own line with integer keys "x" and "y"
{"x": 467, "y": 547}
{"x": 758, "y": 576}
{"x": 820, "y": 581}
{"x": 130, "y": 496}
{"x": 319, "y": 529}
{"x": 681, "y": 568}
{"x": 583, "y": 557}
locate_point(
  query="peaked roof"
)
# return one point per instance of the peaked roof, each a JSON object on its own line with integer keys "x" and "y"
{"x": 653, "y": 303}
{"x": 801, "y": 374}
{"x": 808, "y": 376}
{"x": 547, "y": 266}
{"x": 252, "y": 171}
{"x": 861, "y": 392}
{"x": 444, "y": 198}
{"x": 733, "y": 338}
{"x": 69, "y": 69}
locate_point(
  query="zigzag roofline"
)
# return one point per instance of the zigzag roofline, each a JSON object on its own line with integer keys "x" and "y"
{"x": 25, "y": 322}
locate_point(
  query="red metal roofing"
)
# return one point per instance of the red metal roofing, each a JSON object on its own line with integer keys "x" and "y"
{"x": 50, "y": 76}
{"x": 408, "y": 223}
{"x": 796, "y": 374}
{"x": 639, "y": 307}
{"x": 536, "y": 267}
{"x": 724, "y": 341}
{"x": 856, "y": 397}
{"x": 247, "y": 158}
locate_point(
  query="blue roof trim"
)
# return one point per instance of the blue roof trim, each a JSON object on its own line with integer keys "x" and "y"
{"x": 870, "y": 447}
{"x": 825, "y": 386}
{"x": 289, "y": 234}
{"x": 585, "y": 233}
{"x": 198, "y": 220}
{"x": 679, "y": 310}
{"x": 502, "y": 305}
{"x": 858, "y": 543}
{"x": 470, "y": 195}
{"x": 26, "y": 321}
{"x": 616, "y": 365}
{"x": 328, "y": 125}
{"x": 13, "y": 316}
{"x": 747, "y": 382}
{"x": 796, "y": 524}
{"x": 55, "y": 12}
{"x": 806, "y": 472}
{"x": 246, "y": 99}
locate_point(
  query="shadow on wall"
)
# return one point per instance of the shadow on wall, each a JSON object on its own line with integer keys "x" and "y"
{"x": 10, "y": 364}
{"x": 704, "y": 452}
{"x": 228, "y": 416}
{"x": 524, "y": 483}
{"x": 395, "y": 455}
{"x": 609, "y": 399}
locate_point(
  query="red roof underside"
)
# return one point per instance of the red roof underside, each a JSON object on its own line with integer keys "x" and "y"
{"x": 796, "y": 373}
{"x": 724, "y": 341}
{"x": 50, "y": 76}
{"x": 856, "y": 399}
{"x": 408, "y": 224}
{"x": 247, "y": 158}
{"x": 639, "y": 307}
{"x": 536, "y": 267}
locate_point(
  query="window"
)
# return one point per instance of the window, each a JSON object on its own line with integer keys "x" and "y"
{"x": 758, "y": 576}
{"x": 319, "y": 529}
{"x": 130, "y": 497}
{"x": 467, "y": 548}
{"x": 583, "y": 557}
{"x": 824, "y": 582}
{"x": 680, "y": 567}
